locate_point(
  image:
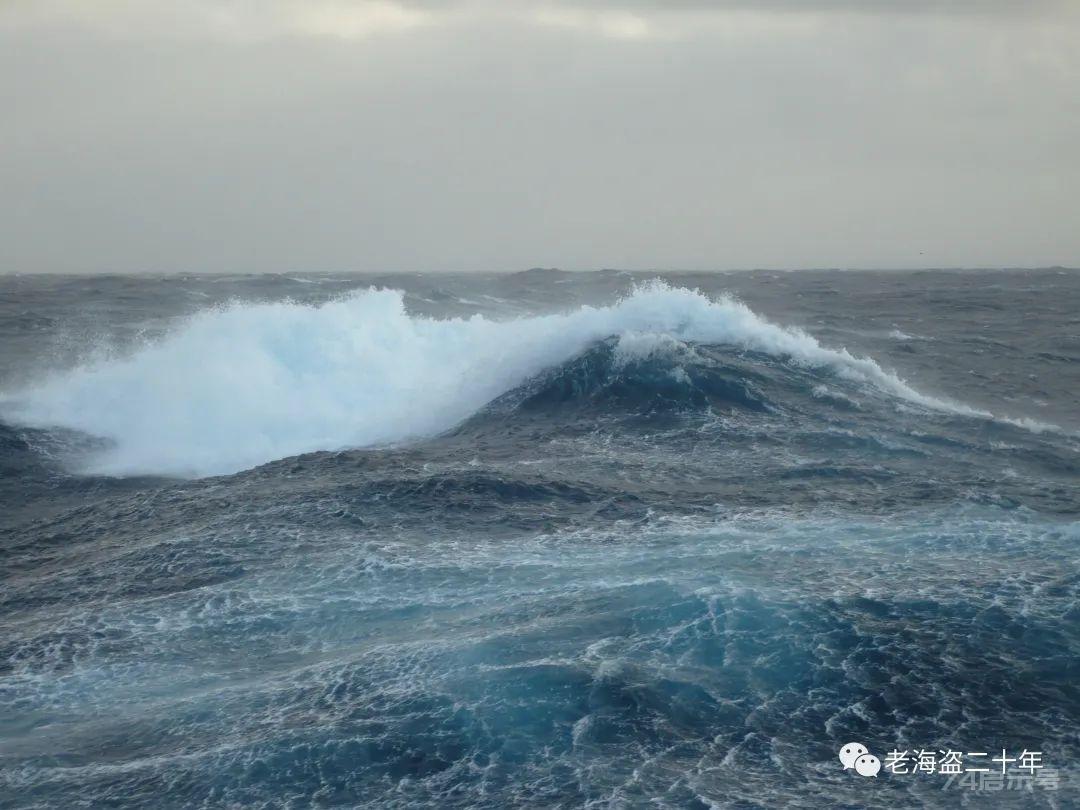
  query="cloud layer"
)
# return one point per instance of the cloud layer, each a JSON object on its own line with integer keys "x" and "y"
{"x": 330, "y": 134}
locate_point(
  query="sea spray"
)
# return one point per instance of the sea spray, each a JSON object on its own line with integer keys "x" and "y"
{"x": 245, "y": 384}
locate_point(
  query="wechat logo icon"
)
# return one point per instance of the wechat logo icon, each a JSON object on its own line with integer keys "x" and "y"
{"x": 857, "y": 756}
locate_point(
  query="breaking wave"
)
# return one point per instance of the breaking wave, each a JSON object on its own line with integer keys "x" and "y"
{"x": 238, "y": 386}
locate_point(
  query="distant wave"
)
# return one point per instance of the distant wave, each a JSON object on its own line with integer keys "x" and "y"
{"x": 238, "y": 386}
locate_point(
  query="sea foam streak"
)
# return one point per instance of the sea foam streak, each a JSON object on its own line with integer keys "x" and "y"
{"x": 236, "y": 387}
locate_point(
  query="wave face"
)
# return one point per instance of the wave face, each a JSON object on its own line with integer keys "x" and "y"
{"x": 242, "y": 385}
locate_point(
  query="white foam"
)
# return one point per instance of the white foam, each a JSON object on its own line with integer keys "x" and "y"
{"x": 235, "y": 387}
{"x": 638, "y": 346}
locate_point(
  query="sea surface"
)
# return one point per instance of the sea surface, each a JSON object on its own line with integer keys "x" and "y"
{"x": 543, "y": 539}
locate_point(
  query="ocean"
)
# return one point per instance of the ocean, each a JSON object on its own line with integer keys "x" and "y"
{"x": 543, "y": 539}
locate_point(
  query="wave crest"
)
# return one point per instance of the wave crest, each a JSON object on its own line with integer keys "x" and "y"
{"x": 242, "y": 385}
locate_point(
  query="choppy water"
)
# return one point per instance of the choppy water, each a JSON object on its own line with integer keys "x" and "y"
{"x": 536, "y": 540}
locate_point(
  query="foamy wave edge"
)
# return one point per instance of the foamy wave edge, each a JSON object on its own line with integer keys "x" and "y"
{"x": 242, "y": 385}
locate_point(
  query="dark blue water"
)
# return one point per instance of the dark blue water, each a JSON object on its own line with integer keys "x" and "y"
{"x": 537, "y": 540}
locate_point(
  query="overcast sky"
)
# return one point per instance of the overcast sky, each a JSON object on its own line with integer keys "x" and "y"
{"x": 314, "y": 135}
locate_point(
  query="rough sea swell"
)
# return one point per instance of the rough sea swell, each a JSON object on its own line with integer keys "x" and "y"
{"x": 536, "y": 540}
{"x": 246, "y": 384}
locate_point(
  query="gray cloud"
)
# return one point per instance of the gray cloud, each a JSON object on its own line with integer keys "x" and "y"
{"x": 573, "y": 136}
{"x": 861, "y": 6}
